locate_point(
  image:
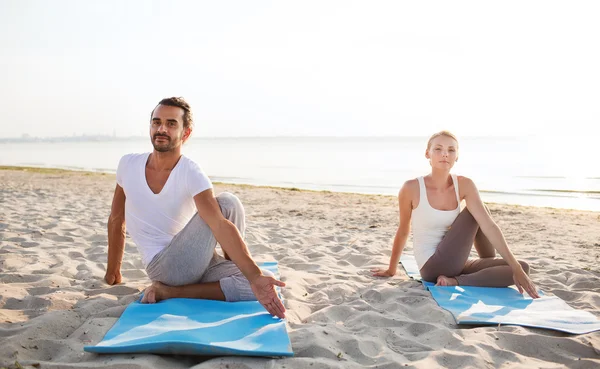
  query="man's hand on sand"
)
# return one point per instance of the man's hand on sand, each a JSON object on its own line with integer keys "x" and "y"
{"x": 264, "y": 291}
{"x": 113, "y": 277}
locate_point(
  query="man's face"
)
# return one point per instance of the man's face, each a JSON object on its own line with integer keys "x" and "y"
{"x": 166, "y": 128}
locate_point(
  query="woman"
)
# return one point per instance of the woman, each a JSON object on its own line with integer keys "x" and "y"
{"x": 443, "y": 235}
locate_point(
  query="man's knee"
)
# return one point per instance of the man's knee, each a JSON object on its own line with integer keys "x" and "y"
{"x": 267, "y": 273}
{"x": 525, "y": 266}
{"x": 237, "y": 288}
{"x": 229, "y": 202}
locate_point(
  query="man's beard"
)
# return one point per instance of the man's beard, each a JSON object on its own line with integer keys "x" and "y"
{"x": 163, "y": 147}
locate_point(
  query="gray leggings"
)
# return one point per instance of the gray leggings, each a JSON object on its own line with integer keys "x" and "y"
{"x": 451, "y": 257}
{"x": 191, "y": 257}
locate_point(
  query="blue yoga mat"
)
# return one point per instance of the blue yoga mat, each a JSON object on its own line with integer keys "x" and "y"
{"x": 487, "y": 305}
{"x": 198, "y": 327}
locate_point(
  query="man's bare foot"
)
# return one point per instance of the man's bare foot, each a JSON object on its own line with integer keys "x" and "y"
{"x": 155, "y": 293}
{"x": 446, "y": 281}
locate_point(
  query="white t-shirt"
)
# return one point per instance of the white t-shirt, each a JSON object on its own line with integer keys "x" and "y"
{"x": 152, "y": 220}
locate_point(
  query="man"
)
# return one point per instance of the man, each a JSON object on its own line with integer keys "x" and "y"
{"x": 172, "y": 215}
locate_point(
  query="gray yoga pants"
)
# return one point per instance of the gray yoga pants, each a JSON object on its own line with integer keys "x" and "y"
{"x": 191, "y": 257}
{"x": 451, "y": 257}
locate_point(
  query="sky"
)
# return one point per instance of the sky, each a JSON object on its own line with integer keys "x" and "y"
{"x": 302, "y": 68}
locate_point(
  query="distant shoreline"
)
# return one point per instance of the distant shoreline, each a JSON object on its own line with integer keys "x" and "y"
{"x": 46, "y": 170}
{"x": 42, "y": 170}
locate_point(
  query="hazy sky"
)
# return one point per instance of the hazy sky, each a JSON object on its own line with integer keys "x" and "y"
{"x": 256, "y": 68}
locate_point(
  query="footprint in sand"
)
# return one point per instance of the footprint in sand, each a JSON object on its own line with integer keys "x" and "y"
{"x": 37, "y": 291}
{"x": 399, "y": 344}
{"x": 336, "y": 249}
{"x": 97, "y": 257}
{"x": 48, "y": 225}
{"x": 19, "y": 278}
{"x": 58, "y": 238}
{"x": 75, "y": 255}
{"x": 97, "y": 238}
{"x": 28, "y": 302}
{"x": 16, "y": 239}
{"x": 358, "y": 260}
{"x": 315, "y": 255}
{"x": 119, "y": 290}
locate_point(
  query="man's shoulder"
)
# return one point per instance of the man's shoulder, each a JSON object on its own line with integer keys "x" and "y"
{"x": 189, "y": 163}
{"x": 128, "y": 158}
{"x": 134, "y": 155}
{"x": 129, "y": 161}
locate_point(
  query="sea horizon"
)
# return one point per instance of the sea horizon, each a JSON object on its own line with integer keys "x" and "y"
{"x": 506, "y": 169}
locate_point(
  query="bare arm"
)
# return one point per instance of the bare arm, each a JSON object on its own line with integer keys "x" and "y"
{"x": 116, "y": 237}
{"x": 486, "y": 223}
{"x": 228, "y": 236}
{"x": 405, "y": 206}
{"x": 494, "y": 234}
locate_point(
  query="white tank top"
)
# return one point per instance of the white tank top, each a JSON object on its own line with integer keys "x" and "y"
{"x": 430, "y": 225}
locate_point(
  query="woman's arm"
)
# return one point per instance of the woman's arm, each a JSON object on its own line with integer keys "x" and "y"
{"x": 405, "y": 197}
{"x": 491, "y": 230}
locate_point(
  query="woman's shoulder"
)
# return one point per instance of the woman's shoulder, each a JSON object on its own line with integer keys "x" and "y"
{"x": 411, "y": 183}
{"x": 410, "y": 186}
{"x": 465, "y": 182}
{"x": 463, "y": 178}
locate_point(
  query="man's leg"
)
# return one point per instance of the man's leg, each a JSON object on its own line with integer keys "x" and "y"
{"x": 234, "y": 286}
{"x": 177, "y": 270}
{"x": 222, "y": 281}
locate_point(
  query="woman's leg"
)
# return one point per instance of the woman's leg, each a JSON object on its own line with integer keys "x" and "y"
{"x": 453, "y": 251}
{"x": 484, "y": 247}
{"x": 488, "y": 272}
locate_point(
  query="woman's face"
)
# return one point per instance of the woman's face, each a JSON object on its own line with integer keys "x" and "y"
{"x": 442, "y": 153}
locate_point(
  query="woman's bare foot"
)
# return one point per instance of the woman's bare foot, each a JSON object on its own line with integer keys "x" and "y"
{"x": 155, "y": 293}
{"x": 446, "y": 281}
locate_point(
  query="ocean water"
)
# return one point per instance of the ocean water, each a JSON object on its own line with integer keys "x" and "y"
{"x": 561, "y": 172}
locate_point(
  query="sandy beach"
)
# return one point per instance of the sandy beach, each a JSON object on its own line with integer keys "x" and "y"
{"x": 53, "y": 300}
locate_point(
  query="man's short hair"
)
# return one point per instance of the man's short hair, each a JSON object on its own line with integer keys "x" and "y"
{"x": 188, "y": 119}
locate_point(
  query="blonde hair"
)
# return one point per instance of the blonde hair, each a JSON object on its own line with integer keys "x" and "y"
{"x": 442, "y": 133}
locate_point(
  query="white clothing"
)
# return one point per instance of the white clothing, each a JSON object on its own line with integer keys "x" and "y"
{"x": 429, "y": 225}
{"x": 152, "y": 220}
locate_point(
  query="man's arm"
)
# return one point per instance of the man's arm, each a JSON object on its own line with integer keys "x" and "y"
{"x": 228, "y": 236}
{"x": 116, "y": 237}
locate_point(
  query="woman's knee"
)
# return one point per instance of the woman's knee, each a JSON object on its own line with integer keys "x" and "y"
{"x": 428, "y": 276}
{"x": 525, "y": 266}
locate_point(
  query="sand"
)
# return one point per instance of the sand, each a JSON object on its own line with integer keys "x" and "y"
{"x": 53, "y": 300}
